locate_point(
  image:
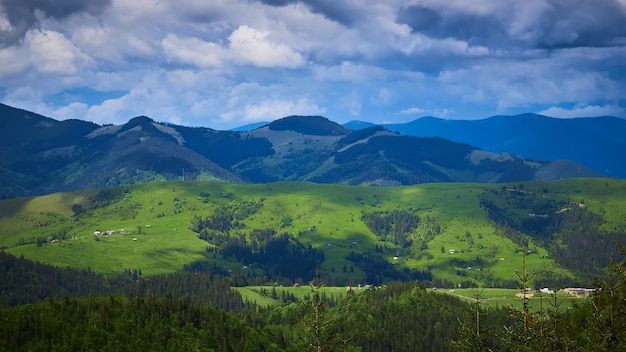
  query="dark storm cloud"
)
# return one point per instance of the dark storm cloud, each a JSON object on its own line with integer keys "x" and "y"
{"x": 583, "y": 24}
{"x": 277, "y": 2}
{"x": 560, "y": 23}
{"x": 23, "y": 14}
{"x": 473, "y": 28}
{"x": 342, "y": 11}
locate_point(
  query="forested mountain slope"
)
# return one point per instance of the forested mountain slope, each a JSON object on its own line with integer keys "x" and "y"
{"x": 597, "y": 142}
{"x": 40, "y": 155}
{"x": 446, "y": 234}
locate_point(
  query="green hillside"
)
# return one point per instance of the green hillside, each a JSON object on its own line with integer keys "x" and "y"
{"x": 446, "y": 233}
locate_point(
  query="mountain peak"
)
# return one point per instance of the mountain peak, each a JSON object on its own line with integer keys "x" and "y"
{"x": 313, "y": 125}
{"x": 142, "y": 122}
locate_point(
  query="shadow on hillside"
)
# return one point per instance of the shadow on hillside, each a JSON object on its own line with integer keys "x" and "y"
{"x": 11, "y": 207}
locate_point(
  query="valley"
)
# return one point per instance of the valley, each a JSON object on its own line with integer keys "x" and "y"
{"x": 447, "y": 234}
{"x": 306, "y": 235}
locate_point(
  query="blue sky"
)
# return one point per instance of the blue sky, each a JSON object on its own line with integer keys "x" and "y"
{"x": 227, "y": 63}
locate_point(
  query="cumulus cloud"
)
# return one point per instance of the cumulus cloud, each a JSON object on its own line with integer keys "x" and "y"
{"x": 584, "y": 111}
{"x": 510, "y": 25}
{"x": 23, "y": 15}
{"x": 442, "y": 112}
{"x": 47, "y": 52}
{"x": 270, "y": 110}
{"x": 249, "y": 45}
{"x": 513, "y": 83}
{"x": 192, "y": 51}
{"x": 346, "y": 12}
{"x": 221, "y": 62}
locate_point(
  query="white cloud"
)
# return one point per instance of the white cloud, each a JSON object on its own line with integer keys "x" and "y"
{"x": 5, "y": 25}
{"x": 13, "y": 61}
{"x": 54, "y": 54}
{"x": 419, "y": 44}
{"x": 441, "y": 112}
{"x": 74, "y": 110}
{"x": 277, "y": 108}
{"x": 192, "y": 51}
{"x": 129, "y": 13}
{"x": 249, "y": 45}
{"x": 584, "y": 111}
{"x": 511, "y": 83}
{"x": 22, "y": 96}
{"x": 46, "y": 52}
{"x": 202, "y": 62}
{"x": 413, "y": 111}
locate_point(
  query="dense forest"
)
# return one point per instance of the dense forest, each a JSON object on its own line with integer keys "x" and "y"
{"x": 166, "y": 313}
{"x": 24, "y": 281}
{"x": 567, "y": 229}
{"x": 281, "y": 257}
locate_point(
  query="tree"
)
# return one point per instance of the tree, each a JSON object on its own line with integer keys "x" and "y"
{"x": 473, "y": 337}
{"x": 77, "y": 209}
{"x": 319, "y": 333}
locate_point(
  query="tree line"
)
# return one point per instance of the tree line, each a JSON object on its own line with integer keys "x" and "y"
{"x": 399, "y": 316}
{"x": 569, "y": 231}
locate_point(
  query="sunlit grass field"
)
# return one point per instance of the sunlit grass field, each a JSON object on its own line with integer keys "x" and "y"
{"x": 490, "y": 298}
{"x": 156, "y": 238}
{"x": 261, "y": 295}
{"x": 511, "y": 298}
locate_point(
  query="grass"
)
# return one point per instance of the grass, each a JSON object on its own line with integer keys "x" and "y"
{"x": 327, "y": 216}
{"x": 491, "y": 298}
{"x": 254, "y": 293}
{"x": 502, "y": 298}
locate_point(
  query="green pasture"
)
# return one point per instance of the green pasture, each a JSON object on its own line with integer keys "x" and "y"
{"x": 503, "y": 298}
{"x": 262, "y": 295}
{"x": 155, "y": 218}
{"x": 491, "y": 298}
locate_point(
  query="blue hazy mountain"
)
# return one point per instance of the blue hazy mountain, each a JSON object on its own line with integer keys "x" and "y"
{"x": 597, "y": 142}
{"x": 41, "y": 155}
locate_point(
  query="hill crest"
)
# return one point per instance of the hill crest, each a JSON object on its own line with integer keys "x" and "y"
{"x": 311, "y": 125}
{"x": 73, "y": 154}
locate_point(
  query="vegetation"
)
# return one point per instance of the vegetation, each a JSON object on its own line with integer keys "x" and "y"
{"x": 400, "y": 316}
{"x": 43, "y": 156}
{"x": 156, "y": 319}
{"x": 446, "y": 234}
{"x": 215, "y": 266}
{"x": 171, "y": 258}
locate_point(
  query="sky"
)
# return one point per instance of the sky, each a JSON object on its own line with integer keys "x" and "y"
{"x": 228, "y": 63}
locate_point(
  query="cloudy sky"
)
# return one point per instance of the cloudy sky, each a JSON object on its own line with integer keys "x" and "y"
{"x": 226, "y": 63}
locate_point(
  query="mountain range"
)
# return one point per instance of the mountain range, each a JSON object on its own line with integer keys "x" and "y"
{"x": 598, "y": 143}
{"x": 41, "y": 155}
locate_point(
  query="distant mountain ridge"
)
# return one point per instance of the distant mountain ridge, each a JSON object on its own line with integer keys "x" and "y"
{"x": 41, "y": 155}
{"x": 310, "y": 125}
{"x": 598, "y": 142}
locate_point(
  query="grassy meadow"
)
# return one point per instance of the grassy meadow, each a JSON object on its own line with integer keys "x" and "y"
{"x": 503, "y": 298}
{"x": 490, "y": 297}
{"x": 150, "y": 224}
{"x": 262, "y": 295}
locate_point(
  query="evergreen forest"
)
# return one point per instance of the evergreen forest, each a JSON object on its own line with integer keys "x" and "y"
{"x": 46, "y": 308}
{"x": 299, "y": 267}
